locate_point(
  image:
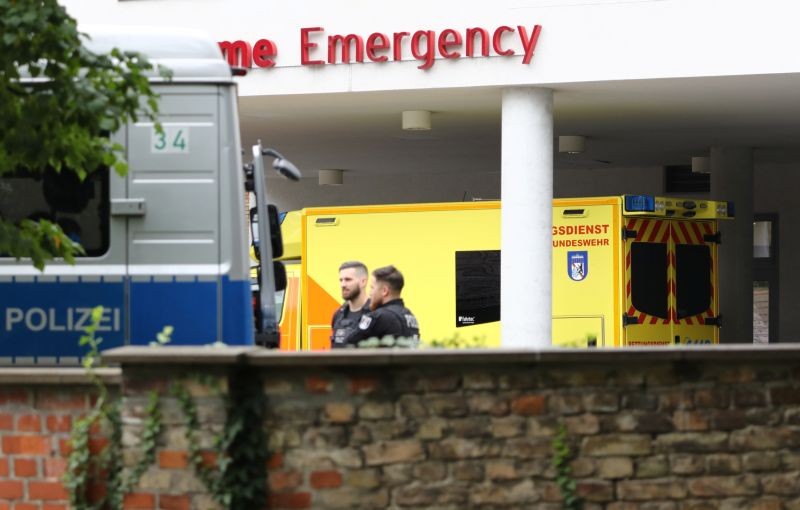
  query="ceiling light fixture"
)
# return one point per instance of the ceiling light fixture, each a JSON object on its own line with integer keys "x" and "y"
{"x": 417, "y": 120}
{"x": 331, "y": 177}
{"x": 571, "y": 144}
{"x": 701, "y": 164}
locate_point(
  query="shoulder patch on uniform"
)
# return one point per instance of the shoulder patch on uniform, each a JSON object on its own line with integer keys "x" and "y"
{"x": 366, "y": 320}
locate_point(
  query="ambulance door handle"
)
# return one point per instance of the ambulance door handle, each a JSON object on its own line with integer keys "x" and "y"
{"x": 128, "y": 206}
{"x": 715, "y": 238}
{"x": 629, "y": 234}
{"x": 629, "y": 320}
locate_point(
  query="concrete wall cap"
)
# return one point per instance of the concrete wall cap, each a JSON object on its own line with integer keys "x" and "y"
{"x": 177, "y": 355}
{"x": 507, "y": 356}
{"x": 58, "y": 376}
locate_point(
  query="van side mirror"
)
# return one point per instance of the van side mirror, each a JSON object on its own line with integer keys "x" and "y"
{"x": 282, "y": 165}
{"x": 279, "y": 270}
{"x": 275, "y": 232}
{"x": 276, "y": 239}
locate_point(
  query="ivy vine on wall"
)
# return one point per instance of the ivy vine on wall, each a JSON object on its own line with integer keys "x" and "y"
{"x": 562, "y": 456}
{"x": 236, "y": 479}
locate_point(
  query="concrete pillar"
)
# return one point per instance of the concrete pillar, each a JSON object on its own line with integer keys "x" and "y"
{"x": 527, "y": 202}
{"x": 732, "y": 180}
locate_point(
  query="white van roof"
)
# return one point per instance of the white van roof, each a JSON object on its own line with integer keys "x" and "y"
{"x": 192, "y": 55}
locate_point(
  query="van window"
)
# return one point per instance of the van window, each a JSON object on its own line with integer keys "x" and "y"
{"x": 649, "y": 278}
{"x": 477, "y": 287}
{"x": 81, "y": 208}
{"x": 692, "y": 279}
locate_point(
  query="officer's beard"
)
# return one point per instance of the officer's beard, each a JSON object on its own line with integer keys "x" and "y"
{"x": 351, "y": 295}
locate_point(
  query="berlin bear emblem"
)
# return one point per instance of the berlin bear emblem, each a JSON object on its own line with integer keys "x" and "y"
{"x": 577, "y": 265}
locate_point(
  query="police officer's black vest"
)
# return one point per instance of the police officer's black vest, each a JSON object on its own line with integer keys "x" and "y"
{"x": 345, "y": 323}
{"x": 407, "y": 320}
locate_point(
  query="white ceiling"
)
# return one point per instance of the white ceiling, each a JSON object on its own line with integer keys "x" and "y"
{"x": 628, "y": 123}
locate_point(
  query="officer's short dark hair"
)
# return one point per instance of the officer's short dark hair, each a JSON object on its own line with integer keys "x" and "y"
{"x": 391, "y": 277}
{"x": 354, "y": 264}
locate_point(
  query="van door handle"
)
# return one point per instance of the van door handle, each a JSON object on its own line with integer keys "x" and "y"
{"x": 128, "y": 206}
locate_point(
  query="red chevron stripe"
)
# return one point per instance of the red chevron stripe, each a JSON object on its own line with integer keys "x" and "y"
{"x": 698, "y": 233}
{"x": 687, "y": 237}
{"x": 667, "y": 235}
{"x": 642, "y": 229}
{"x": 654, "y": 232}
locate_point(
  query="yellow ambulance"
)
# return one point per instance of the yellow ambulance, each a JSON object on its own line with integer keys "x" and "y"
{"x": 628, "y": 270}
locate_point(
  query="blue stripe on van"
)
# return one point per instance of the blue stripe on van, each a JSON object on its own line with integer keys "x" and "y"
{"x": 237, "y": 312}
{"x": 190, "y": 307}
{"x": 46, "y": 318}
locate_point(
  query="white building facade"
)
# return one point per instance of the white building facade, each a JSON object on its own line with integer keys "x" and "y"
{"x": 649, "y": 84}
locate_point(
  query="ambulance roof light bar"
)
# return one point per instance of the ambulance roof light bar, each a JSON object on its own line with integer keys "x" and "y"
{"x": 640, "y": 203}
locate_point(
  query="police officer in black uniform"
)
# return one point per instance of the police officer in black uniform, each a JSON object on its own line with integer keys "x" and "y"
{"x": 353, "y": 281}
{"x": 388, "y": 315}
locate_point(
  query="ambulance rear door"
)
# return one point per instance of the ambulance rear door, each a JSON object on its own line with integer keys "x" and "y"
{"x": 647, "y": 281}
{"x": 692, "y": 276}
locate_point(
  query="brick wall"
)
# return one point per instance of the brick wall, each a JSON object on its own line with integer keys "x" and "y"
{"x": 37, "y": 409}
{"x": 671, "y": 429}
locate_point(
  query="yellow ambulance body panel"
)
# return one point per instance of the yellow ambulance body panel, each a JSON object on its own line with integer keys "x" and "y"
{"x": 630, "y": 270}
{"x": 586, "y": 276}
{"x": 287, "y": 302}
{"x": 292, "y": 236}
{"x": 420, "y": 239}
{"x": 290, "y": 321}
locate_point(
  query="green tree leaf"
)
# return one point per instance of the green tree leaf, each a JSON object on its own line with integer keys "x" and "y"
{"x": 63, "y": 121}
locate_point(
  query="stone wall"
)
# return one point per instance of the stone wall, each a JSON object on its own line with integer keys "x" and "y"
{"x": 658, "y": 435}
{"x": 671, "y": 429}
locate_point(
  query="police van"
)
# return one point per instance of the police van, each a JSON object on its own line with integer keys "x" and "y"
{"x": 167, "y": 243}
{"x": 631, "y": 270}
